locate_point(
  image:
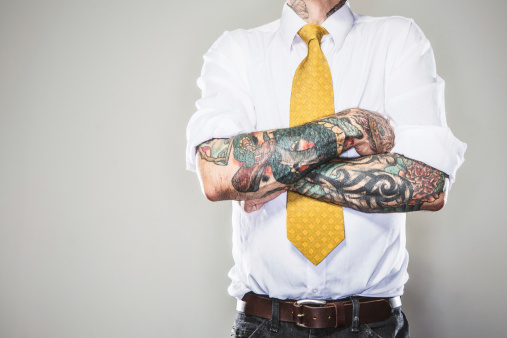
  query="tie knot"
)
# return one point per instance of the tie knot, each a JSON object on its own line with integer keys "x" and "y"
{"x": 312, "y": 32}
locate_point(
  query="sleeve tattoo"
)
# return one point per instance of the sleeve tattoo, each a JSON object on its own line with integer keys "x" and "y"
{"x": 287, "y": 155}
{"x": 376, "y": 183}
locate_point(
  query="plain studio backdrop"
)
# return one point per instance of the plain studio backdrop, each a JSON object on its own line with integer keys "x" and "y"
{"x": 104, "y": 234}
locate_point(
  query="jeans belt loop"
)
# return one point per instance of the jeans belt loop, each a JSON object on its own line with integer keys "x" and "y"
{"x": 355, "y": 314}
{"x": 275, "y": 316}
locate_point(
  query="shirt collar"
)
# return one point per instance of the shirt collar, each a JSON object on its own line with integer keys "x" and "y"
{"x": 338, "y": 25}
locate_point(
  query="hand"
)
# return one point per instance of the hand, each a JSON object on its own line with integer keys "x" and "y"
{"x": 377, "y": 132}
{"x": 256, "y": 204}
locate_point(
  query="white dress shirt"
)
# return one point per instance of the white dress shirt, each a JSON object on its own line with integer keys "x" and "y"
{"x": 380, "y": 64}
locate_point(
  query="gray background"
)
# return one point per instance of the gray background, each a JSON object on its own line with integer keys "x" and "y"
{"x": 104, "y": 234}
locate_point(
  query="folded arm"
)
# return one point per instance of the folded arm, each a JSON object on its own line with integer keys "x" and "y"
{"x": 377, "y": 183}
{"x": 254, "y": 165}
{"x": 374, "y": 184}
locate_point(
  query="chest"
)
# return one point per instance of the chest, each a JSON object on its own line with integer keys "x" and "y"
{"x": 358, "y": 73}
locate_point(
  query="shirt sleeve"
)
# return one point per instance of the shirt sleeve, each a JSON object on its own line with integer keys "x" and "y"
{"x": 225, "y": 108}
{"x": 415, "y": 104}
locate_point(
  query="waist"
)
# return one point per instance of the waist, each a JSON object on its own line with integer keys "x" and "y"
{"x": 313, "y": 313}
{"x": 298, "y": 281}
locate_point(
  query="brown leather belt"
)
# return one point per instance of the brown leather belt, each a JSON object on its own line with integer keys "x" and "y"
{"x": 319, "y": 314}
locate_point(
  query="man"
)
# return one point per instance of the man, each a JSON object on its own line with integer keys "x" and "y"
{"x": 320, "y": 110}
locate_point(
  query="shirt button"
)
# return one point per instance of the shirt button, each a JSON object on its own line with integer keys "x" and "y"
{"x": 315, "y": 290}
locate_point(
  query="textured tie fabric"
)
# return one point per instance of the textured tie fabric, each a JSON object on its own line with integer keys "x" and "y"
{"x": 314, "y": 227}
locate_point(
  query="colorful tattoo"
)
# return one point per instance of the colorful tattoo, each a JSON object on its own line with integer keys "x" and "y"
{"x": 253, "y": 158}
{"x": 380, "y": 135}
{"x": 302, "y": 148}
{"x": 376, "y": 183}
{"x": 287, "y": 155}
{"x": 426, "y": 181}
{"x": 216, "y": 150}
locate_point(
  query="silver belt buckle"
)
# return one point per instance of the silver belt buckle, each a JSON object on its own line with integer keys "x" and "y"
{"x": 300, "y": 303}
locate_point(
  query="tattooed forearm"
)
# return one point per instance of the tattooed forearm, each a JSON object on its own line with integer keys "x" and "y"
{"x": 216, "y": 151}
{"x": 299, "y": 6}
{"x": 284, "y": 156}
{"x": 377, "y": 183}
{"x": 336, "y": 8}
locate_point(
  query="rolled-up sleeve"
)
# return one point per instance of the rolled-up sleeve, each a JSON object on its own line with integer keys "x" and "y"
{"x": 416, "y": 106}
{"x": 225, "y": 108}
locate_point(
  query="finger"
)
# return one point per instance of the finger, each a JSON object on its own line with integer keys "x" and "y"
{"x": 249, "y": 207}
{"x": 258, "y": 206}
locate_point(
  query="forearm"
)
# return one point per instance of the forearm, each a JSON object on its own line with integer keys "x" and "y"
{"x": 251, "y": 165}
{"x": 376, "y": 183}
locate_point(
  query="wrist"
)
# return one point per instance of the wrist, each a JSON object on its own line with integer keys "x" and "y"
{"x": 370, "y": 134}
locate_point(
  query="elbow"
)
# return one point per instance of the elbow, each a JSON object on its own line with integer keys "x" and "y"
{"x": 437, "y": 204}
{"x": 434, "y": 199}
{"x": 213, "y": 183}
{"x": 441, "y": 200}
{"x": 212, "y": 193}
{"x": 213, "y": 190}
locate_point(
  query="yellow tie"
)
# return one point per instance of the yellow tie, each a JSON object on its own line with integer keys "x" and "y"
{"x": 314, "y": 227}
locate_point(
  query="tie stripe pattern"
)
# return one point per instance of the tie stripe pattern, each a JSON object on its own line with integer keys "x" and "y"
{"x": 314, "y": 227}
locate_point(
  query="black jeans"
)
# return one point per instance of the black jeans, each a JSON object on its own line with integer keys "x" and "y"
{"x": 250, "y": 326}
